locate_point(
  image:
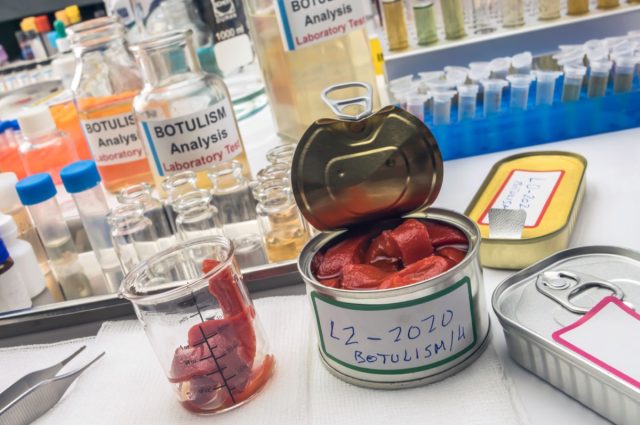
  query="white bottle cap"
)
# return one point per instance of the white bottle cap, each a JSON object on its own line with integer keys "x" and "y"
{"x": 35, "y": 122}
{"x": 64, "y": 67}
{"x": 8, "y": 227}
{"x": 63, "y": 44}
{"x": 9, "y": 200}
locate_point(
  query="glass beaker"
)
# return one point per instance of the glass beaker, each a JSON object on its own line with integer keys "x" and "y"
{"x": 201, "y": 324}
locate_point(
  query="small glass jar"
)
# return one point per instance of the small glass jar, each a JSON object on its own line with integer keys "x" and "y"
{"x": 196, "y": 217}
{"x": 577, "y": 7}
{"x": 201, "y": 324}
{"x": 483, "y": 16}
{"x": 608, "y": 4}
{"x": 548, "y": 9}
{"x": 231, "y": 193}
{"x": 153, "y": 208}
{"x": 453, "y": 18}
{"x": 185, "y": 115}
{"x": 395, "y": 24}
{"x": 282, "y": 226}
{"x": 425, "y": 17}
{"x": 281, "y": 154}
{"x": 512, "y": 13}
{"x": 104, "y": 85}
{"x": 133, "y": 235}
{"x": 174, "y": 186}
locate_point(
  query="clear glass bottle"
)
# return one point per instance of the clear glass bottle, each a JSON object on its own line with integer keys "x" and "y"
{"x": 153, "y": 209}
{"x": 196, "y": 217}
{"x": 174, "y": 186}
{"x": 104, "y": 86}
{"x": 173, "y": 15}
{"x": 38, "y": 193}
{"x": 294, "y": 73}
{"x": 231, "y": 193}
{"x": 133, "y": 235}
{"x": 185, "y": 114}
{"x": 281, "y": 154}
{"x": 281, "y": 224}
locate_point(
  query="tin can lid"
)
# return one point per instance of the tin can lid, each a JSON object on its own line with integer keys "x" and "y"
{"x": 364, "y": 167}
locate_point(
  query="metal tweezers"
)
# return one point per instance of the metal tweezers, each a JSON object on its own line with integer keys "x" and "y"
{"x": 35, "y": 393}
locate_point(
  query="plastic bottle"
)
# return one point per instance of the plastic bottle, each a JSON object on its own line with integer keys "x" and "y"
{"x": 10, "y": 204}
{"x": 44, "y": 148}
{"x": 64, "y": 64}
{"x": 10, "y": 160}
{"x": 180, "y": 104}
{"x": 13, "y": 291}
{"x": 82, "y": 181}
{"x": 23, "y": 256}
{"x": 104, "y": 86}
{"x": 38, "y": 193}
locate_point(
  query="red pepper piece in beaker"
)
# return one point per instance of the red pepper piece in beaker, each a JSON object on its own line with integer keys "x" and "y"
{"x": 422, "y": 270}
{"x": 413, "y": 241}
{"x": 348, "y": 251}
{"x": 445, "y": 235}
{"x": 224, "y": 287}
{"x": 362, "y": 276}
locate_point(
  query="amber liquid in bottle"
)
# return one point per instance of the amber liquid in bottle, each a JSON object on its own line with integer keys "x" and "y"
{"x": 120, "y": 175}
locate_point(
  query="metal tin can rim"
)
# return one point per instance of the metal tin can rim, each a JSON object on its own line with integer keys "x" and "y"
{"x": 384, "y": 293}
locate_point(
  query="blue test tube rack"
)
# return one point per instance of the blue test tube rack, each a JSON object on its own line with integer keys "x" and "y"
{"x": 512, "y": 129}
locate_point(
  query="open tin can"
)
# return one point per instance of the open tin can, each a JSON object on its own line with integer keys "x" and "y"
{"x": 369, "y": 171}
{"x": 540, "y": 305}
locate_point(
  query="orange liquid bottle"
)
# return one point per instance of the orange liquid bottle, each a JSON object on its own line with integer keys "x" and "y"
{"x": 66, "y": 118}
{"x": 10, "y": 160}
{"x": 104, "y": 86}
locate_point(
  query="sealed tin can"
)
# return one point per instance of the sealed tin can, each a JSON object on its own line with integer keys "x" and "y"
{"x": 544, "y": 309}
{"x": 527, "y": 206}
{"x": 363, "y": 173}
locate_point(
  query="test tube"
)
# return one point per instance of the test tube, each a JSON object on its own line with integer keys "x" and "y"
{"x": 623, "y": 73}
{"x": 82, "y": 181}
{"x": 425, "y": 17}
{"x": 38, "y": 194}
{"x": 416, "y": 104}
{"x": 467, "y": 100}
{"x": 522, "y": 63}
{"x": 598, "y": 78}
{"x": 500, "y": 68}
{"x": 133, "y": 235}
{"x": 196, "y": 216}
{"x": 492, "y": 95}
{"x": 573, "y": 76}
{"x": 519, "y": 91}
{"x": 441, "y": 104}
{"x": 546, "y": 86}
{"x": 153, "y": 208}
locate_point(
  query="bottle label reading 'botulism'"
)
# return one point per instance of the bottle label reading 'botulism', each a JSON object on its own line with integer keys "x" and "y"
{"x": 193, "y": 142}
{"x": 113, "y": 140}
{"x": 307, "y": 22}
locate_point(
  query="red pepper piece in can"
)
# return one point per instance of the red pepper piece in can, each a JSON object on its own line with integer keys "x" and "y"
{"x": 331, "y": 283}
{"x": 348, "y": 251}
{"x": 422, "y": 270}
{"x": 445, "y": 235}
{"x": 454, "y": 254}
{"x": 413, "y": 241}
{"x": 383, "y": 251}
{"x": 362, "y": 276}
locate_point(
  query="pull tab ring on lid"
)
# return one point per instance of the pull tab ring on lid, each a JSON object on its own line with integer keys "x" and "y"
{"x": 338, "y": 106}
{"x": 562, "y": 286}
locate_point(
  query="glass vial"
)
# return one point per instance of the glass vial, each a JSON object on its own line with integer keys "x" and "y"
{"x": 296, "y": 74}
{"x": 395, "y": 25}
{"x": 153, "y": 209}
{"x": 577, "y": 7}
{"x": 453, "y": 17}
{"x": 38, "y": 193}
{"x": 281, "y": 224}
{"x": 548, "y": 9}
{"x": 185, "y": 114}
{"x": 425, "y": 17}
{"x": 174, "y": 186}
{"x": 231, "y": 193}
{"x": 196, "y": 217}
{"x": 483, "y": 16}
{"x": 104, "y": 86}
{"x": 608, "y": 4}
{"x": 512, "y": 13}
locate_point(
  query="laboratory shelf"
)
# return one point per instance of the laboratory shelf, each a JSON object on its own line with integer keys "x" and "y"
{"x": 540, "y": 38}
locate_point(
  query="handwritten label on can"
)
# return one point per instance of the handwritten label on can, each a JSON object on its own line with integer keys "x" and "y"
{"x": 113, "y": 140}
{"x": 193, "y": 142}
{"x": 397, "y": 338}
{"x": 307, "y": 22}
{"x": 607, "y": 336}
{"x": 531, "y": 191}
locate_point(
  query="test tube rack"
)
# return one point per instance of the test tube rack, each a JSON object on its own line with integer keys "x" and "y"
{"x": 511, "y": 129}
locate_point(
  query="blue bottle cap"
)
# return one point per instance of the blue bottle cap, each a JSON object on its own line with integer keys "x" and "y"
{"x": 4, "y": 254}
{"x": 13, "y": 125}
{"x": 3, "y": 126}
{"x": 35, "y": 189}
{"x": 80, "y": 176}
